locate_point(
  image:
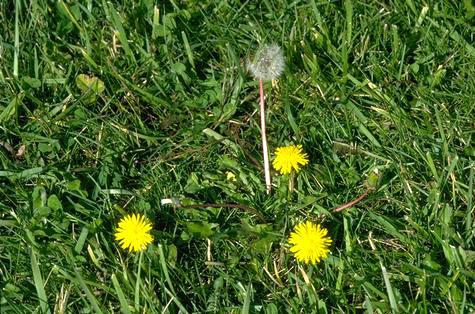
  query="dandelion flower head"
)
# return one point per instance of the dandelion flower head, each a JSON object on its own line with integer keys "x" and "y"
{"x": 230, "y": 176}
{"x": 288, "y": 158}
{"x": 268, "y": 63}
{"x": 133, "y": 232}
{"x": 310, "y": 242}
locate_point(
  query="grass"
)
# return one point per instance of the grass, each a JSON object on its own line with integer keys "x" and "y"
{"x": 368, "y": 85}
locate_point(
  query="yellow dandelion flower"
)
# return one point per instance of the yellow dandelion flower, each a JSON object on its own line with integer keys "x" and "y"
{"x": 310, "y": 242}
{"x": 133, "y": 232}
{"x": 230, "y": 176}
{"x": 288, "y": 158}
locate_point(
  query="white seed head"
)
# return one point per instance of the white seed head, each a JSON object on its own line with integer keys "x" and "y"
{"x": 268, "y": 63}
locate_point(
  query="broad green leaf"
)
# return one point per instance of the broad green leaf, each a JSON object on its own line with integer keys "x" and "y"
{"x": 88, "y": 83}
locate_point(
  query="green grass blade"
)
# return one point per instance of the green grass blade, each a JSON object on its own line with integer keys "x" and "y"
{"x": 16, "y": 46}
{"x": 189, "y": 53}
{"x": 347, "y": 37}
{"x": 432, "y": 167}
{"x": 90, "y": 296}
{"x": 247, "y": 299}
{"x": 163, "y": 263}
{"x": 176, "y": 301}
{"x": 116, "y": 22}
{"x": 81, "y": 240}
{"x": 155, "y": 22}
{"x": 389, "y": 290}
{"x": 124, "y": 305}
{"x": 469, "y": 227}
{"x": 39, "y": 283}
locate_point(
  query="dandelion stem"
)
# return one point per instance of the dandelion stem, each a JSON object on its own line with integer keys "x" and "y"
{"x": 265, "y": 151}
{"x": 353, "y": 202}
{"x": 291, "y": 181}
{"x": 137, "y": 284}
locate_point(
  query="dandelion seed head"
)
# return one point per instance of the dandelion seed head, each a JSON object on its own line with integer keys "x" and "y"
{"x": 310, "y": 243}
{"x": 268, "y": 63}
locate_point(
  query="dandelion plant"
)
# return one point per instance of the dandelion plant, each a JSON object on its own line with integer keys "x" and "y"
{"x": 268, "y": 64}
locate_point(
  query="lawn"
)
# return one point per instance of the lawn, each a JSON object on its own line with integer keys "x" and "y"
{"x": 112, "y": 108}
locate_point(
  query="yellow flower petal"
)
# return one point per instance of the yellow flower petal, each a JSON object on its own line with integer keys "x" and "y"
{"x": 310, "y": 242}
{"x": 133, "y": 232}
{"x": 288, "y": 158}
